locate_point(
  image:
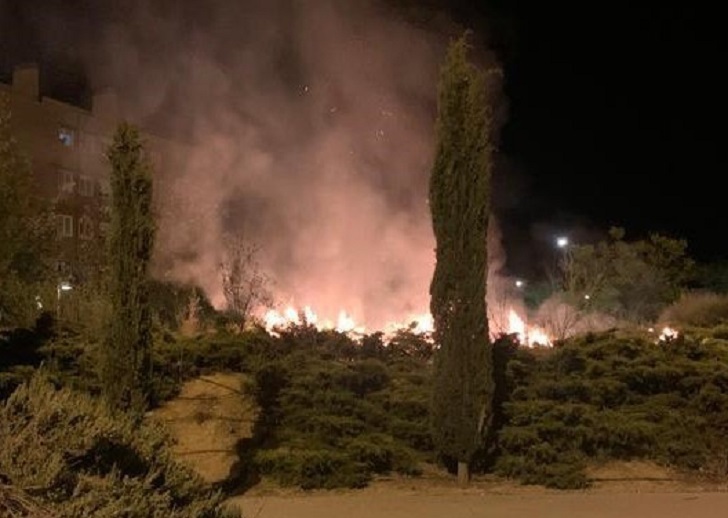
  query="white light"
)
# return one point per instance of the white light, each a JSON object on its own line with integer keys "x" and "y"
{"x": 65, "y": 286}
{"x": 562, "y": 241}
{"x": 519, "y": 283}
{"x": 586, "y": 297}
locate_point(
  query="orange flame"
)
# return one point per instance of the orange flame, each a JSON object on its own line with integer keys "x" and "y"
{"x": 420, "y": 324}
{"x": 527, "y": 335}
{"x": 668, "y": 333}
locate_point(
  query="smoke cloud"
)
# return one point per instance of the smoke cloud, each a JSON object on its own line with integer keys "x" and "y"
{"x": 306, "y": 128}
{"x": 311, "y": 131}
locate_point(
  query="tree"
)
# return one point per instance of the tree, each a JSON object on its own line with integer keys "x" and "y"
{"x": 126, "y": 354}
{"x": 459, "y": 204}
{"x": 24, "y": 231}
{"x": 244, "y": 285}
{"x": 631, "y": 280}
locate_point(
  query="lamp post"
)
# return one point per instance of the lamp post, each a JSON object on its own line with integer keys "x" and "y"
{"x": 562, "y": 243}
{"x": 60, "y": 288}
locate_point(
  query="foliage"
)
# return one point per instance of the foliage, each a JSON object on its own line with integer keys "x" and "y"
{"x": 613, "y": 396}
{"x": 25, "y": 232}
{"x": 627, "y": 280}
{"x": 180, "y": 307}
{"x": 697, "y": 309}
{"x": 334, "y": 416}
{"x": 80, "y": 460}
{"x": 245, "y": 286}
{"x": 126, "y": 358}
{"x": 459, "y": 203}
{"x": 712, "y": 277}
{"x": 182, "y": 358}
{"x": 21, "y": 352}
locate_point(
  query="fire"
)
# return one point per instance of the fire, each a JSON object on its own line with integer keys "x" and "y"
{"x": 668, "y": 333}
{"x": 527, "y": 335}
{"x": 274, "y": 321}
{"x": 420, "y": 324}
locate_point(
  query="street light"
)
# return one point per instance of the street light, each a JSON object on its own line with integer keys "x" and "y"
{"x": 62, "y": 286}
{"x": 520, "y": 283}
{"x": 562, "y": 241}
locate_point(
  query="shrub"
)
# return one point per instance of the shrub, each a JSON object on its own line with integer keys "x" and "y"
{"x": 611, "y": 396}
{"x": 697, "y": 309}
{"x": 82, "y": 461}
{"x": 311, "y": 468}
{"x": 333, "y": 417}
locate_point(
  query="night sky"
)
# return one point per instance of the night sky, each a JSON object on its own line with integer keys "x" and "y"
{"x": 613, "y": 118}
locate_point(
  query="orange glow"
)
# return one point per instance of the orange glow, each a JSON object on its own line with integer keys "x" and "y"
{"x": 527, "y": 335}
{"x": 668, "y": 333}
{"x": 420, "y": 324}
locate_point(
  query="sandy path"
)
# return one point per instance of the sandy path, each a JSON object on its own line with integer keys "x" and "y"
{"x": 562, "y": 505}
{"x": 207, "y": 419}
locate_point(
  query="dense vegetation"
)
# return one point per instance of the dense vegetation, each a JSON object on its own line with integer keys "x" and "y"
{"x": 68, "y": 451}
{"x": 335, "y": 413}
{"x": 616, "y": 396}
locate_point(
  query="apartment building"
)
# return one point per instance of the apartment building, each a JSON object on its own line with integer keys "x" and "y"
{"x": 66, "y": 145}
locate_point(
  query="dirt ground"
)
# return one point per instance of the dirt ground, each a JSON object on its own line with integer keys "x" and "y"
{"x": 627, "y": 490}
{"x": 465, "y": 505}
{"x": 207, "y": 419}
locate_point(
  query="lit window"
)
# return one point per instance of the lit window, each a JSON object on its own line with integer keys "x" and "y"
{"x": 65, "y": 225}
{"x": 66, "y": 136}
{"x": 85, "y": 186}
{"x": 85, "y": 228}
{"x": 67, "y": 181}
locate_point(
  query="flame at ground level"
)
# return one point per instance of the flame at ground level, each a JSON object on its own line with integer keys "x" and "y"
{"x": 527, "y": 335}
{"x": 421, "y": 324}
{"x": 274, "y": 321}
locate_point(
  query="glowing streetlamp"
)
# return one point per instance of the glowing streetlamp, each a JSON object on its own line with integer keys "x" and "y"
{"x": 562, "y": 241}
{"x": 520, "y": 283}
{"x": 62, "y": 287}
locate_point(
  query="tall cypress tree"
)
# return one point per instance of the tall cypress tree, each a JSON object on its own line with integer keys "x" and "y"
{"x": 126, "y": 359}
{"x": 459, "y": 203}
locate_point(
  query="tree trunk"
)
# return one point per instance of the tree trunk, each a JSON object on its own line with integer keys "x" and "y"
{"x": 463, "y": 474}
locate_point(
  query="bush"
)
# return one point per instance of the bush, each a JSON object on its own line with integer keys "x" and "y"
{"x": 331, "y": 416}
{"x": 697, "y": 309}
{"x": 82, "y": 461}
{"x": 612, "y": 396}
{"x": 311, "y": 468}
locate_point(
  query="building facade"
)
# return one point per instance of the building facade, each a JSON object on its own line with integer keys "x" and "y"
{"x": 66, "y": 146}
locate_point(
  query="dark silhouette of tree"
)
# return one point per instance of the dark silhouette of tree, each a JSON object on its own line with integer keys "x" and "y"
{"x": 459, "y": 203}
{"x": 126, "y": 358}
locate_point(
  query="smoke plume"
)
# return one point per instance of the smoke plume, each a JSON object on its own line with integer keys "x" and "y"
{"x": 305, "y": 128}
{"x": 310, "y": 126}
